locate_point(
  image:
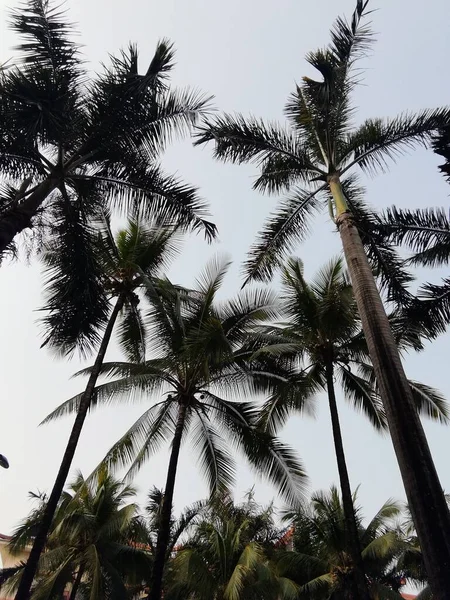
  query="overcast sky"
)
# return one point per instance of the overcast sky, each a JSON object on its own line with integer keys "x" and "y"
{"x": 248, "y": 54}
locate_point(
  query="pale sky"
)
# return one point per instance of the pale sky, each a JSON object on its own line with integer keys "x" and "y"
{"x": 248, "y": 54}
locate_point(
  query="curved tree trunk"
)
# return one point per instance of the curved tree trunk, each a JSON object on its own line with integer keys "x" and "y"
{"x": 29, "y": 571}
{"x": 19, "y": 216}
{"x": 423, "y": 489}
{"x": 360, "y": 591}
{"x": 162, "y": 541}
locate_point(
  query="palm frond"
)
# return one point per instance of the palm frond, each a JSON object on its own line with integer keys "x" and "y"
{"x": 242, "y": 313}
{"x": 250, "y": 557}
{"x": 215, "y": 461}
{"x": 194, "y": 574}
{"x": 76, "y": 304}
{"x": 210, "y": 280}
{"x": 277, "y": 462}
{"x": 128, "y": 389}
{"x": 384, "y": 547}
{"x": 378, "y": 141}
{"x": 441, "y": 146}
{"x": 426, "y": 232}
{"x": 380, "y": 521}
{"x": 144, "y": 438}
{"x": 430, "y": 310}
{"x": 282, "y": 158}
{"x": 46, "y": 34}
{"x": 295, "y": 395}
{"x": 360, "y": 391}
{"x": 430, "y": 402}
{"x": 284, "y": 228}
{"x": 351, "y": 41}
{"x": 132, "y": 334}
{"x": 132, "y": 184}
{"x": 171, "y": 118}
{"x": 387, "y": 265}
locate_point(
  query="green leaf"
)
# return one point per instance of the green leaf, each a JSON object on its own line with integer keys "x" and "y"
{"x": 282, "y": 231}
{"x": 214, "y": 458}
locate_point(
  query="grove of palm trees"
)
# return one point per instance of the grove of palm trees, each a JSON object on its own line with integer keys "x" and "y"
{"x": 228, "y": 308}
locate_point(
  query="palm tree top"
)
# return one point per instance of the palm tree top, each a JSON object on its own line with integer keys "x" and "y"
{"x": 318, "y": 143}
{"x": 97, "y": 530}
{"x": 94, "y": 266}
{"x": 322, "y": 326}
{"x": 321, "y": 563}
{"x": 200, "y": 359}
{"x": 95, "y": 139}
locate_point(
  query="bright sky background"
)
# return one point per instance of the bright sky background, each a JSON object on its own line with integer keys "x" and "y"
{"x": 248, "y": 54}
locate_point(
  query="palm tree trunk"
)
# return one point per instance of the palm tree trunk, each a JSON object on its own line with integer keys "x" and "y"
{"x": 18, "y": 217}
{"x": 423, "y": 489}
{"x": 29, "y": 572}
{"x": 162, "y": 541}
{"x": 360, "y": 591}
{"x": 76, "y": 584}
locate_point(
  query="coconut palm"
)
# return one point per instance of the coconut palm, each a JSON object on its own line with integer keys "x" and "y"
{"x": 227, "y": 557}
{"x": 138, "y": 253}
{"x": 323, "y": 342}
{"x": 321, "y": 563}
{"x": 313, "y": 158}
{"x": 89, "y": 141}
{"x": 198, "y": 370}
{"x": 92, "y": 545}
{"x": 146, "y": 533}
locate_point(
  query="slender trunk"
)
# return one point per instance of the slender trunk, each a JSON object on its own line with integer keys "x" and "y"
{"x": 76, "y": 584}
{"x": 29, "y": 572}
{"x": 19, "y": 217}
{"x": 360, "y": 591}
{"x": 162, "y": 541}
{"x": 423, "y": 489}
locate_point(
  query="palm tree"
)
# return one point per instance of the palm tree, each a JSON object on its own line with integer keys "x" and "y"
{"x": 92, "y": 542}
{"x": 199, "y": 367}
{"x": 321, "y": 563}
{"x": 137, "y": 254}
{"x": 319, "y": 150}
{"x": 323, "y": 342}
{"x": 98, "y": 139}
{"x": 227, "y": 557}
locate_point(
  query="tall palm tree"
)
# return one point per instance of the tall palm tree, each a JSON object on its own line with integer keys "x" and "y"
{"x": 93, "y": 542}
{"x": 319, "y": 150}
{"x": 321, "y": 562}
{"x": 323, "y": 342}
{"x": 138, "y": 253}
{"x": 227, "y": 557}
{"x": 200, "y": 367}
{"x": 98, "y": 138}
